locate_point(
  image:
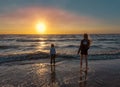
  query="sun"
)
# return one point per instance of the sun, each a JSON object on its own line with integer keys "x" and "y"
{"x": 40, "y": 27}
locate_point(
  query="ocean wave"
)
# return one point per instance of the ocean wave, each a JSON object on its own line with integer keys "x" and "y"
{"x": 72, "y": 46}
{"x": 107, "y": 39}
{"x": 50, "y": 40}
{"x": 102, "y": 46}
{"x": 96, "y": 46}
{"x": 22, "y": 40}
{"x": 8, "y": 47}
{"x": 43, "y": 55}
{"x": 68, "y": 46}
{"x": 10, "y": 39}
{"x": 22, "y": 57}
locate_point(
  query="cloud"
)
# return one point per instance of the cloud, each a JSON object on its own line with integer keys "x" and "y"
{"x": 53, "y": 15}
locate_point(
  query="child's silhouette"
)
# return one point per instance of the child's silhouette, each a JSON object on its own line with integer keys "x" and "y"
{"x": 52, "y": 54}
{"x": 83, "y": 49}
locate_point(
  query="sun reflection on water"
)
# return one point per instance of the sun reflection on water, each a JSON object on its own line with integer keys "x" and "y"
{"x": 41, "y": 45}
{"x": 41, "y": 69}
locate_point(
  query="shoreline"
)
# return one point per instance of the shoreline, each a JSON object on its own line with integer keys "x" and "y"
{"x": 66, "y": 73}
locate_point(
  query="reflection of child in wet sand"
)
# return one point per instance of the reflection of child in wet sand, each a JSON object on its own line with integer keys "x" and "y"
{"x": 53, "y": 76}
{"x": 83, "y": 78}
{"x": 83, "y": 49}
{"x": 52, "y": 54}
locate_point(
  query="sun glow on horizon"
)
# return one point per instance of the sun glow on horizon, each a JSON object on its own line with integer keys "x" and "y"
{"x": 40, "y": 27}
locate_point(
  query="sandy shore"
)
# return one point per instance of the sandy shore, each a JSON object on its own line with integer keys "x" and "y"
{"x": 66, "y": 73}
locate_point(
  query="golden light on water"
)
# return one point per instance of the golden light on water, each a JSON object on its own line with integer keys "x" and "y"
{"x": 41, "y": 45}
{"x": 40, "y": 27}
{"x": 40, "y": 69}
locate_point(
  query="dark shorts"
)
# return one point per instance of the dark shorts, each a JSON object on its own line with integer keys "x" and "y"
{"x": 52, "y": 58}
{"x": 53, "y": 55}
{"x": 84, "y": 52}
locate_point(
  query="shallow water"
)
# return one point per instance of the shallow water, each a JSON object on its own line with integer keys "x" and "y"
{"x": 66, "y": 73}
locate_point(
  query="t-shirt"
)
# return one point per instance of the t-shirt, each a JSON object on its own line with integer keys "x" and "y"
{"x": 52, "y": 50}
{"x": 85, "y": 44}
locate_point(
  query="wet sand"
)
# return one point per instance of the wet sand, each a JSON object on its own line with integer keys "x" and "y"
{"x": 66, "y": 73}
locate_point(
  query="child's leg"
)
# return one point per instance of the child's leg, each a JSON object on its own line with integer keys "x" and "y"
{"x": 81, "y": 58}
{"x": 51, "y": 60}
{"x": 86, "y": 60}
{"x": 54, "y": 59}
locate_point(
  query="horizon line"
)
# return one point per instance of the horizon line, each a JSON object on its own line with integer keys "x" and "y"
{"x": 59, "y": 34}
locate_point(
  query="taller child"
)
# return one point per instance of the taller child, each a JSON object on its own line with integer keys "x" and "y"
{"x": 83, "y": 49}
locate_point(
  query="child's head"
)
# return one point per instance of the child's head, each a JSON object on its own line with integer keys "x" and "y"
{"x": 85, "y": 36}
{"x": 52, "y": 45}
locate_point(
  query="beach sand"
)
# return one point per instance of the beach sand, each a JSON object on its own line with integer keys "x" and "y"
{"x": 66, "y": 73}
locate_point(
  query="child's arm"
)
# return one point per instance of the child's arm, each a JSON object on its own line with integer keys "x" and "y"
{"x": 79, "y": 48}
{"x": 50, "y": 51}
{"x": 55, "y": 52}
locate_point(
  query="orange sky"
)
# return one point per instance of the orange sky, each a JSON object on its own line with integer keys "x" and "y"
{"x": 57, "y": 21}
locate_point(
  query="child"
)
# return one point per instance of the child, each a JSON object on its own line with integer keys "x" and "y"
{"x": 84, "y": 46}
{"x": 52, "y": 54}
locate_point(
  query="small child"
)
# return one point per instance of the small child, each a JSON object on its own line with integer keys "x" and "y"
{"x": 52, "y": 54}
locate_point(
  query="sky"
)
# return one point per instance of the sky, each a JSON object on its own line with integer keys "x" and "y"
{"x": 60, "y": 16}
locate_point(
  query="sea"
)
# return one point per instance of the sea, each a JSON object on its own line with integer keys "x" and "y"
{"x": 27, "y": 47}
